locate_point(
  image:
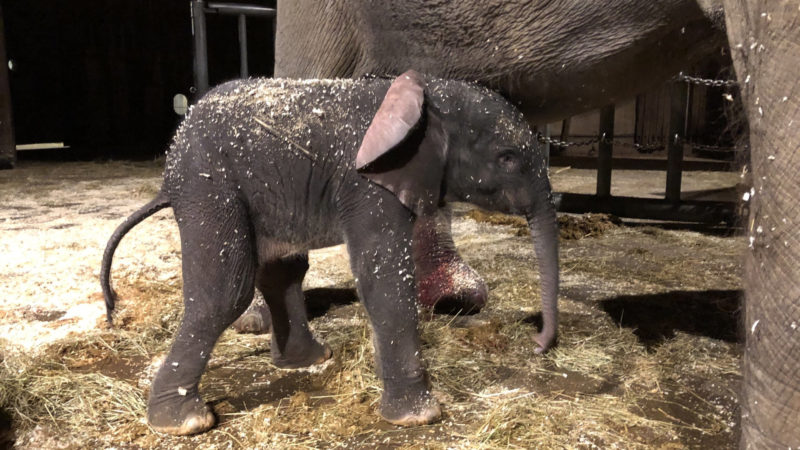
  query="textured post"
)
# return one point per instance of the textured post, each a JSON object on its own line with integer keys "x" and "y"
{"x": 765, "y": 38}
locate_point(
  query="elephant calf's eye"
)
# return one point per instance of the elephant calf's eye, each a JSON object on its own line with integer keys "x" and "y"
{"x": 508, "y": 161}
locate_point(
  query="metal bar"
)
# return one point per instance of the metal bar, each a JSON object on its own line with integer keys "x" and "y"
{"x": 677, "y": 131}
{"x": 243, "y": 46}
{"x": 41, "y": 146}
{"x": 8, "y": 154}
{"x": 605, "y": 150}
{"x": 547, "y": 147}
{"x": 620, "y": 163}
{"x": 565, "y": 126}
{"x": 200, "y": 48}
{"x": 239, "y": 8}
{"x": 709, "y": 212}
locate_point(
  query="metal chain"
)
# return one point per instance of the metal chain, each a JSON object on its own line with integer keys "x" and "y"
{"x": 650, "y": 148}
{"x": 705, "y": 81}
{"x": 641, "y": 148}
{"x": 716, "y": 148}
{"x": 552, "y": 141}
{"x": 644, "y": 148}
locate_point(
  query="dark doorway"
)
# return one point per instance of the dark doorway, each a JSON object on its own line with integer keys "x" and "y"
{"x": 100, "y": 75}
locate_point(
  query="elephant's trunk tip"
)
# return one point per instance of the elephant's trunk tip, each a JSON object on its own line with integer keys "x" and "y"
{"x": 546, "y": 339}
{"x": 543, "y": 227}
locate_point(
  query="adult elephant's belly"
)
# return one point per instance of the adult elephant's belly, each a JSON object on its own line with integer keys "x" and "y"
{"x": 572, "y": 81}
{"x": 555, "y": 59}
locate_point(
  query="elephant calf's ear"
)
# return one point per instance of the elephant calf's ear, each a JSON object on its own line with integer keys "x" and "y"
{"x": 401, "y": 153}
{"x": 398, "y": 114}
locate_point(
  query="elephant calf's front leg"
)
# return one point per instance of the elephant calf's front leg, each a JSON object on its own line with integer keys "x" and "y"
{"x": 380, "y": 256}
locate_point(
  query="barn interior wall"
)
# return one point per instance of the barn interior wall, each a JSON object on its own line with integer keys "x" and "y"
{"x": 100, "y": 75}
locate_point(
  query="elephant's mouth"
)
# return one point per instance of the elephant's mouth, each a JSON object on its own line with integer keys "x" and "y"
{"x": 510, "y": 203}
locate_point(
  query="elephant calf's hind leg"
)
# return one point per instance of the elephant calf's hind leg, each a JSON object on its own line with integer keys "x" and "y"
{"x": 292, "y": 344}
{"x": 218, "y": 277}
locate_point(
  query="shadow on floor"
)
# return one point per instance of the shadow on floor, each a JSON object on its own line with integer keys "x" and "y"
{"x": 7, "y": 437}
{"x": 655, "y": 318}
{"x": 320, "y": 300}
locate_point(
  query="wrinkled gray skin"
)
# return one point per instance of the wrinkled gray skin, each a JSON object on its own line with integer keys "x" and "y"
{"x": 765, "y": 42}
{"x": 552, "y": 58}
{"x": 560, "y": 58}
{"x": 556, "y": 58}
{"x": 262, "y": 171}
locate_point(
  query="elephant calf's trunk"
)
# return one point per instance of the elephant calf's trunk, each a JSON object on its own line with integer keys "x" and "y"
{"x": 544, "y": 231}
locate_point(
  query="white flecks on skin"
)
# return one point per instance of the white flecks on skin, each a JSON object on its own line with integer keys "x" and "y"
{"x": 182, "y": 391}
{"x": 288, "y": 112}
{"x": 754, "y": 326}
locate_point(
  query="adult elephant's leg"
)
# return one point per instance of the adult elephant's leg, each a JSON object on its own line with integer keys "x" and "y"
{"x": 256, "y": 319}
{"x": 316, "y": 39}
{"x": 218, "y": 274}
{"x": 765, "y": 42}
{"x": 292, "y": 343}
{"x": 443, "y": 278}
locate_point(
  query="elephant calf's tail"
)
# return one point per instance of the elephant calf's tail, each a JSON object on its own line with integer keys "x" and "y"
{"x": 160, "y": 202}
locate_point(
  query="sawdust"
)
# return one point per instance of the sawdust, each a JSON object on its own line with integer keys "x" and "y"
{"x": 570, "y": 227}
{"x": 648, "y": 352}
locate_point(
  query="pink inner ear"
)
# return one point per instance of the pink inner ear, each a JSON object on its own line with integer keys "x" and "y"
{"x": 399, "y": 112}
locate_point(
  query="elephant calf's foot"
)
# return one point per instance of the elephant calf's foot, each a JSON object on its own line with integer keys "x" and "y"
{"x": 303, "y": 355}
{"x": 252, "y": 322}
{"x": 181, "y": 418}
{"x": 413, "y": 406}
{"x": 452, "y": 288}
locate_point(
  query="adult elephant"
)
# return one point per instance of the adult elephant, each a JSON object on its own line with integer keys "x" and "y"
{"x": 558, "y": 58}
{"x": 765, "y": 42}
{"x": 554, "y": 58}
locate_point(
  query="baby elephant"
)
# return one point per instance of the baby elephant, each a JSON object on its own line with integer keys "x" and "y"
{"x": 261, "y": 171}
